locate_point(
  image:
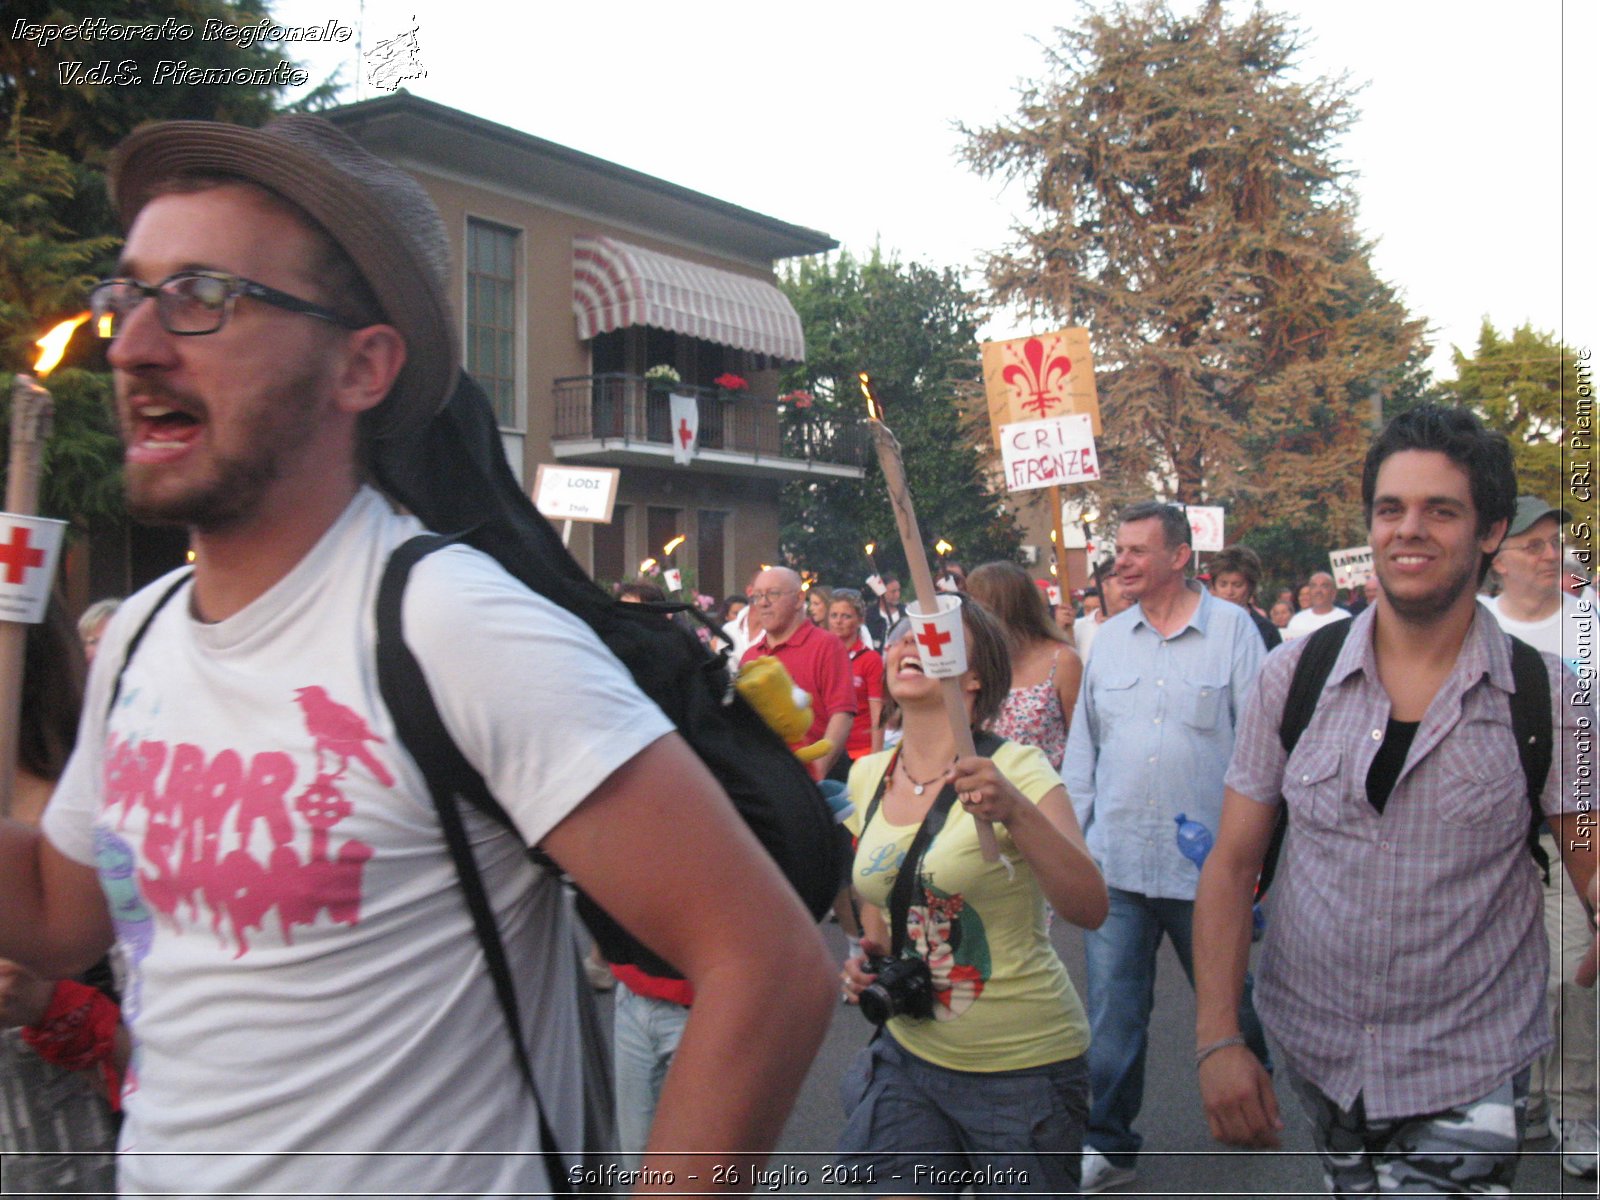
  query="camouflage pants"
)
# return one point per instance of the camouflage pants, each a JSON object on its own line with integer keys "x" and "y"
{"x": 1468, "y": 1150}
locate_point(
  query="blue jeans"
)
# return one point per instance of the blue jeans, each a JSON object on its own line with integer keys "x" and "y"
{"x": 646, "y": 1034}
{"x": 1121, "y": 958}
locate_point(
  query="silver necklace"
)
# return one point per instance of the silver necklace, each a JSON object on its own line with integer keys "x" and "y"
{"x": 918, "y": 786}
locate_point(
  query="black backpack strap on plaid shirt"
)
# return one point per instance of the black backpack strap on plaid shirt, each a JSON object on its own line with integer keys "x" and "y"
{"x": 1530, "y": 724}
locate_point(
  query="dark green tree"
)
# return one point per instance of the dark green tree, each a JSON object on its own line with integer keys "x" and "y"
{"x": 1515, "y": 384}
{"x": 914, "y": 329}
{"x": 1188, "y": 206}
{"x": 44, "y": 272}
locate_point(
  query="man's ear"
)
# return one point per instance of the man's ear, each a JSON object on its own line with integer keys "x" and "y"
{"x": 1489, "y": 543}
{"x": 372, "y": 360}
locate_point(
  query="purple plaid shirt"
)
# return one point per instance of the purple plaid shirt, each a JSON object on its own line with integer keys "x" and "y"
{"x": 1405, "y": 956}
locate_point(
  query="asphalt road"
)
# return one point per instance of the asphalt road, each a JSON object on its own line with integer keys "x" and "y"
{"x": 1179, "y": 1159}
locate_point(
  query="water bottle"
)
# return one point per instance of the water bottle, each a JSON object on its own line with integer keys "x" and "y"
{"x": 1194, "y": 843}
{"x": 1194, "y": 840}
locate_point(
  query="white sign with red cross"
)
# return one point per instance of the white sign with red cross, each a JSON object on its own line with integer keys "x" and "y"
{"x": 941, "y": 643}
{"x": 29, "y": 548}
{"x": 1205, "y": 526}
{"x": 685, "y": 427}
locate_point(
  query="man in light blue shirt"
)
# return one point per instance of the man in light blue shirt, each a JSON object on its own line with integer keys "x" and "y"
{"x": 1151, "y": 738}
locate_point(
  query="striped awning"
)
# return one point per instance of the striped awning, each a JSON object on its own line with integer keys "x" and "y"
{"x": 615, "y": 285}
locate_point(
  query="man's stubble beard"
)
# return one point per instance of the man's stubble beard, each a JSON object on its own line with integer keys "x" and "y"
{"x": 276, "y": 429}
{"x": 1424, "y": 609}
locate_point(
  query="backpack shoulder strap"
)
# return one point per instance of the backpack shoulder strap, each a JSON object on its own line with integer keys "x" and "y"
{"x": 1310, "y": 674}
{"x": 404, "y": 690}
{"x": 1299, "y": 706}
{"x": 138, "y": 635}
{"x": 1531, "y": 724}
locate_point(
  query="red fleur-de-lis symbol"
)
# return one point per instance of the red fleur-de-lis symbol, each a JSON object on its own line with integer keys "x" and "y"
{"x": 1037, "y": 380}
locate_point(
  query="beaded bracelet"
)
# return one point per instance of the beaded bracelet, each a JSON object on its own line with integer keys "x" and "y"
{"x": 1206, "y": 1052}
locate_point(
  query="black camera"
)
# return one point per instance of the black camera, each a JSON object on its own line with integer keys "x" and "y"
{"x": 903, "y": 988}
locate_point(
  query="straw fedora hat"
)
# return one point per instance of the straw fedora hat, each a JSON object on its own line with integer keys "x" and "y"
{"x": 375, "y": 212}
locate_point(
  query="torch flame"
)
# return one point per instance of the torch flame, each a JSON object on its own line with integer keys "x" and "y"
{"x": 673, "y": 544}
{"x": 943, "y": 547}
{"x": 874, "y": 409}
{"x": 871, "y": 546}
{"x": 54, "y": 344}
{"x": 647, "y": 566}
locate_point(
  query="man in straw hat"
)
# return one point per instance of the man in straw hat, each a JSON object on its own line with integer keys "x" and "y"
{"x": 305, "y": 992}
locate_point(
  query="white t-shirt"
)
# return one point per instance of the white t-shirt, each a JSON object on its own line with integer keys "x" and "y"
{"x": 1309, "y": 620}
{"x": 1568, "y": 632}
{"x": 737, "y": 631}
{"x": 304, "y": 981}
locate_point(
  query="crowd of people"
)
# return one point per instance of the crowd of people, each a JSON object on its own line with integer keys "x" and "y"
{"x": 297, "y": 1001}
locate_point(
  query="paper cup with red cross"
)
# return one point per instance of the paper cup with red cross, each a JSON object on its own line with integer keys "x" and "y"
{"x": 29, "y": 548}
{"x": 940, "y": 639}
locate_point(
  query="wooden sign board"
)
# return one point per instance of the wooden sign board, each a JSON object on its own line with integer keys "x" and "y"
{"x": 1046, "y": 375}
{"x": 576, "y": 493}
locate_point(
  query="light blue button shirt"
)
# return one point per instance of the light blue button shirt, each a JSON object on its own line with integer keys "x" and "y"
{"x": 1151, "y": 737}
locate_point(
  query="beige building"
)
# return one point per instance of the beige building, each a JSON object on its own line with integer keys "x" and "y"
{"x": 574, "y": 277}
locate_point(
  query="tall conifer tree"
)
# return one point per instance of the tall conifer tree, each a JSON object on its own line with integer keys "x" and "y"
{"x": 1188, "y": 206}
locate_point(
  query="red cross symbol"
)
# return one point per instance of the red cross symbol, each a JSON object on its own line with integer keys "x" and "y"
{"x": 17, "y": 556}
{"x": 933, "y": 639}
{"x": 685, "y": 435}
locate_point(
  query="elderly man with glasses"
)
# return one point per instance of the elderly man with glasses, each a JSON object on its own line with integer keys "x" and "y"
{"x": 1532, "y": 606}
{"x": 814, "y": 658}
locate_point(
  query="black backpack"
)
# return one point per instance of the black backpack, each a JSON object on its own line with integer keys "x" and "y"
{"x": 454, "y": 476}
{"x": 1530, "y": 723}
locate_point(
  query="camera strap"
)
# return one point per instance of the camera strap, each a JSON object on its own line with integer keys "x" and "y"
{"x": 911, "y": 866}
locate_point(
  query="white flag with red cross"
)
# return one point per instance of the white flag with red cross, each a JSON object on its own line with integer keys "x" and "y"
{"x": 941, "y": 643}
{"x": 685, "y": 427}
{"x": 29, "y": 548}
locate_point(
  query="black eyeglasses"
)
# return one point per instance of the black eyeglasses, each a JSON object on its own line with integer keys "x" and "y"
{"x": 191, "y": 303}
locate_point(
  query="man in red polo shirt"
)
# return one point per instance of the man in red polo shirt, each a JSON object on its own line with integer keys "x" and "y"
{"x": 814, "y": 658}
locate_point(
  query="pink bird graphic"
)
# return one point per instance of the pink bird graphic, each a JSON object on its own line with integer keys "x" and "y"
{"x": 340, "y": 732}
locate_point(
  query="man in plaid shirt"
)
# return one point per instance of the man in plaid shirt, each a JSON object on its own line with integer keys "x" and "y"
{"x": 1403, "y": 971}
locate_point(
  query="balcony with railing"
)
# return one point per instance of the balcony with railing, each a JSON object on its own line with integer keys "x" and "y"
{"x": 619, "y": 420}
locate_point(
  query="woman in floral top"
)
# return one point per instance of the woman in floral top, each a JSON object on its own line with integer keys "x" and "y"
{"x": 1045, "y": 669}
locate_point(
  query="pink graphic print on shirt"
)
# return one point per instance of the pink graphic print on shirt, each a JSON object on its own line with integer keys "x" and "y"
{"x": 228, "y": 838}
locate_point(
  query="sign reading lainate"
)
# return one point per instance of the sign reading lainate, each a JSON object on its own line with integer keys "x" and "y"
{"x": 1351, "y": 566}
{"x": 1032, "y": 378}
{"x": 1037, "y": 454}
{"x": 29, "y": 548}
{"x": 1205, "y": 526}
{"x": 576, "y": 493}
